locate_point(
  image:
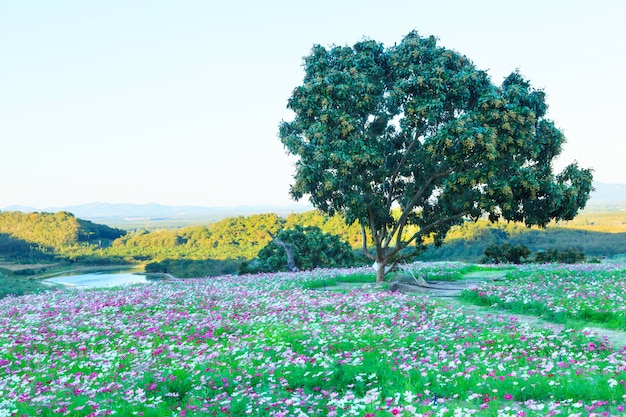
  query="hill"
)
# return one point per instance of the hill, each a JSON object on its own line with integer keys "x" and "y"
{"x": 222, "y": 246}
{"x": 605, "y": 198}
{"x": 28, "y": 235}
{"x": 153, "y": 232}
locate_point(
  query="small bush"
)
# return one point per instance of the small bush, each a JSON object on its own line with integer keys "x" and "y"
{"x": 188, "y": 268}
{"x": 506, "y": 253}
{"x": 566, "y": 256}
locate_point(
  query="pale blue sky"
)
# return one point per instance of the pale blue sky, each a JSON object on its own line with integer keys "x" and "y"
{"x": 178, "y": 102}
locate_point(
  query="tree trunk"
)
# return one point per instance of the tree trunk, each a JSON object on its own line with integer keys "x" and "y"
{"x": 381, "y": 271}
{"x": 291, "y": 261}
{"x": 380, "y": 275}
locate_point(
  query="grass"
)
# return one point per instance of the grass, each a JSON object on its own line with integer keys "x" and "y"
{"x": 607, "y": 222}
{"x": 562, "y": 294}
{"x": 450, "y": 271}
{"x": 19, "y": 286}
{"x": 333, "y": 279}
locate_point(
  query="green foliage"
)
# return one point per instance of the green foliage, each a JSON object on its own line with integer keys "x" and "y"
{"x": 468, "y": 242}
{"x": 234, "y": 240}
{"x": 81, "y": 241}
{"x": 566, "y": 256}
{"x": 40, "y": 236}
{"x": 506, "y": 253}
{"x": 335, "y": 225}
{"x": 357, "y": 277}
{"x": 12, "y": 248}
{"x": 312, "y": 249}
{"x": 230, "y": 238}
{"x": 188, "y": 268}
{"x": 19, "y": 286}
{"x": 51, "y": 230}
{"x": 535, "y": 308}
{"x": 418, "y": 126}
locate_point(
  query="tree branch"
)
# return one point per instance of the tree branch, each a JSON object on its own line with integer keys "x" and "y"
{"x": 375, "y": 234}
{"x": 434, "y": 224}
{"x": 395, "y": 174}
{"x": 291, "y": 262}
{"x": 364, "y": 248}
{"x": 409, "y": 207}
{"x": 423, "y": 231}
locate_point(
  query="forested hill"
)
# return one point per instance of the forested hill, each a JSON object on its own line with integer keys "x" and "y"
{"x": 63, "y": 236}
{"x": 240, "y": 237}
{"x": 23, "y": 234}
{"x": 54, "y": 230}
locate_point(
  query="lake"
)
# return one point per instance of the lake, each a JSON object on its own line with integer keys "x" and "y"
{"x": 99, "y": 279}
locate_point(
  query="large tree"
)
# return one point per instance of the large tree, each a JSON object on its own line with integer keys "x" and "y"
{"x": 412, "y": 139}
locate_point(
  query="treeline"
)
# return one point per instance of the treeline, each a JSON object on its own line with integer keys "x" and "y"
{"x": 518, "y": 254}
{"x": 297, "y": 248}
{"x": 231, "y": 238}
{"x": 237, "y": 240}
{"x": 469, "y": 242}
{"x": 240, "y": 238}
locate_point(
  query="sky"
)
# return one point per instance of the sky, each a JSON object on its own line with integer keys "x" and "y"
{"x": 179, "y": 102}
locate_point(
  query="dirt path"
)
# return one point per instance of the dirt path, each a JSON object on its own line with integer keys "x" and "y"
{"x": 616, "y": 337}
{"x": 450, "y": 297}
{"x": 448, "y": 288}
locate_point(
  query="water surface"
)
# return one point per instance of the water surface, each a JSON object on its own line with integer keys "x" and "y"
{"x": 99, "y": 279}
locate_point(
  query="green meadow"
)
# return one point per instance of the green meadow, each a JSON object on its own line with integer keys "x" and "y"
{"x": 325, "y": 342}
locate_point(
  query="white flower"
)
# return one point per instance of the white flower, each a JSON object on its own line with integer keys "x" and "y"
{"x": 409, "y": 396}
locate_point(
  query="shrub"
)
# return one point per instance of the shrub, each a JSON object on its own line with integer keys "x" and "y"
{"x": 190, "y": 268}
{"x": 505, "y": 253}
{"x": 567, "y": 256}
{"x": 312, "y": 249}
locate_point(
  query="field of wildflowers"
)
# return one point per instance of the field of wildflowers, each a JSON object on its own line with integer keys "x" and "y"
{"x": 592, "y": 293}
{"x": 270, "y": 345}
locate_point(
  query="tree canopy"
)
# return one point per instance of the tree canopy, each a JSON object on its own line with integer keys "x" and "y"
{"x": 312, "y": 248}
{"x": 418, "y": 127}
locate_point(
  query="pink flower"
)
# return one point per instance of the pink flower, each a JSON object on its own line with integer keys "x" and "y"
{"x": 508, "y": 397}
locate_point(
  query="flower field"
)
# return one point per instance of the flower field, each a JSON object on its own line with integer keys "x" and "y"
{"x": 269, "y": 345}
{"x": 594, "y": 293}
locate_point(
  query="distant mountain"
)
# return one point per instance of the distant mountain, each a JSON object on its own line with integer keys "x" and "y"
{"x": 156, "y": 214}
{"x": 609, "y": 192}
{"x": 23, "y": 209}
{"x": 605, "y": 196}
{"x": 152, "y": 210}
